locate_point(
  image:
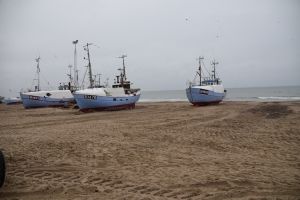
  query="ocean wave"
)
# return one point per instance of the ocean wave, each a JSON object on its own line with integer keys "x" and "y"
{"x": 163, "y": 100}
{"x": 281, "y": 98}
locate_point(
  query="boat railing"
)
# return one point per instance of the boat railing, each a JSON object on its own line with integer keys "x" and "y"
{"x": 209, "y": 81}
{"x": 23, "y": 90}
{"x": 204, "y": 82}
{"x": 189, "y": 84}
{"x": 192, "y": 83}
{"x": 132, "y": 90}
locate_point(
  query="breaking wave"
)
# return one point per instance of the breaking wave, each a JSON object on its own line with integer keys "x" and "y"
{"x": 163, "y": 100}
{"x": 281, "y": 98}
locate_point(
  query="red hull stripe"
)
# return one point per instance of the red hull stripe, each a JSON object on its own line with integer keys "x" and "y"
{"x": 124, "y": 106}
{"x": 14, "y": 103}
{"x": 205, "y": 103}
{"x": 52, "y": 106}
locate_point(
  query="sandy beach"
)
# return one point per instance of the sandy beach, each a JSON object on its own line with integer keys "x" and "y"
{"x": 233, "y": 150}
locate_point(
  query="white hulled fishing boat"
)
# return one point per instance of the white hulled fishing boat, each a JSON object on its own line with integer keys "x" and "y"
{"x": 208, "y": 90}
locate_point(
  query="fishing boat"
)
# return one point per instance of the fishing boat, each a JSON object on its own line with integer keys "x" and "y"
{"x": 205, "y": 90}
{"x": 13, "y": 100}
{"x": 119, "y": 96}
{"x": 37, "y": 98}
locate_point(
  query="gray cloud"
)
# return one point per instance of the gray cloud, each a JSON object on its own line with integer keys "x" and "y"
{"x": 257, "y": 43}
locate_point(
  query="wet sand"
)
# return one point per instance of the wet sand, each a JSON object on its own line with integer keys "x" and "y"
{"x": 234, "y": 150}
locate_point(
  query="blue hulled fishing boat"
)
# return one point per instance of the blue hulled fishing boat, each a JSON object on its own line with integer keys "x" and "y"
{"x": 208, "y": 90}
{"x": 53, "y": 98}
{"x": 37, "y": 98}
{"x": 119, "y": 96}
{"x": 13, "y": 100}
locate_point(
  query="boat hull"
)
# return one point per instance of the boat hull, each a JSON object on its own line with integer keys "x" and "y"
{"x": 40, "y": 99}
{"x": 205, "y": 95}
{"x": 86, "y": 103}
{"x": 12, "y": 101}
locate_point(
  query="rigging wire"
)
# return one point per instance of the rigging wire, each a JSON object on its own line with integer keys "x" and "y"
{"x": 33, "y": 81}
{"x": 205, "y": 68}
{"x": 202, "y": 72}
{"x": 51, "y": 64}
{"x": 217, "y": 73}
{"x": 13, "y": 91}
{"x": 84, "y": 77}
{"x": 110, "y": 51}
{"x": 26, "y": 81}
{"x": 105, "y": 49}
{"x": 46, "y": 80}
{"x": 103, "y": 53}
{"x": 43, "y": 78}
{"x": 80, "y": 69}
{"x": 110, "y": 55}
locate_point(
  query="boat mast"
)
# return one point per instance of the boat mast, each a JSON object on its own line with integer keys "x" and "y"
{"x": 38, "y": 71}
{"x": 214, "y": 63}
{"x": 199, "y": 72}
{"x": 75, "y": 67}
{"x": 70, "y": 75}
{"x": 90, "y": 67}
{"x": 124, "y": 74}
{"x": 99, "y": 79}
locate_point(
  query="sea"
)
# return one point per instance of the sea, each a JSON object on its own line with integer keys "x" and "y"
{"x": 254, "y": 94}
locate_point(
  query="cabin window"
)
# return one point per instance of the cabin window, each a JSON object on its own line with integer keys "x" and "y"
{"x": 114, "y": 99}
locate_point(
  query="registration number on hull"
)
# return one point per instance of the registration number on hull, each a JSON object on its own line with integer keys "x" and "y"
{"x": 203, "y": 91}
{"x": 90, "y": 96}
{"x": 34, "y": 97}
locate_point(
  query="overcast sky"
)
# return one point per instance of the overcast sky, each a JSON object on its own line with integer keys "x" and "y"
{"x": 256, "y": 42}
